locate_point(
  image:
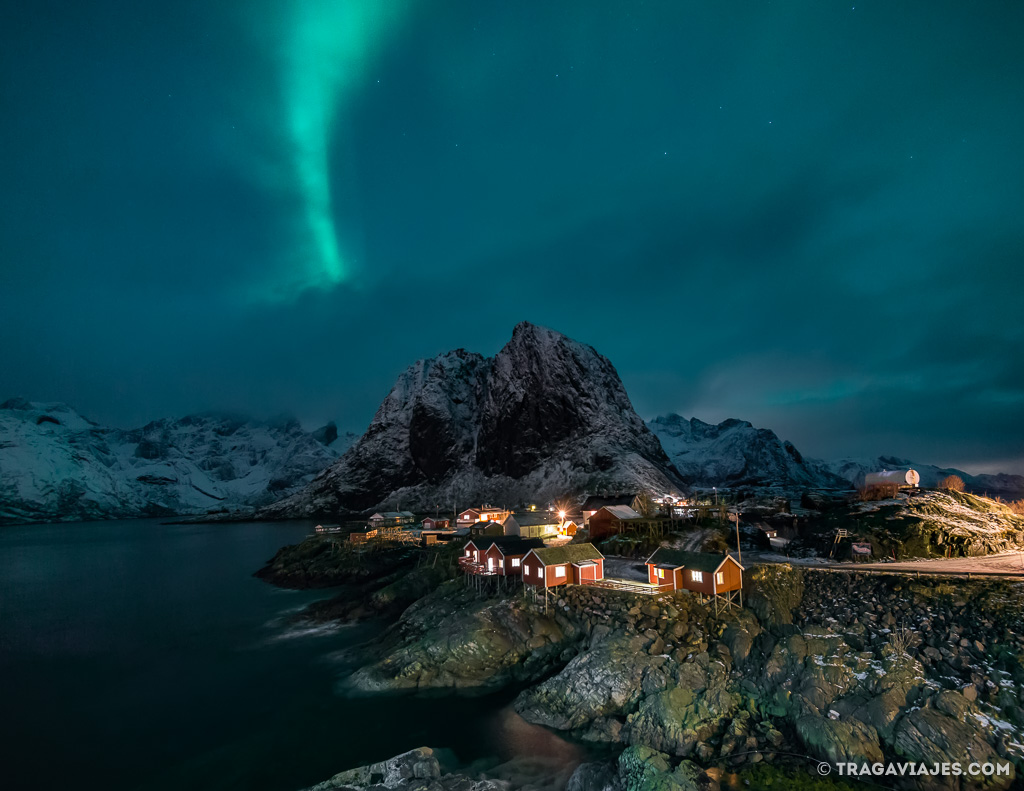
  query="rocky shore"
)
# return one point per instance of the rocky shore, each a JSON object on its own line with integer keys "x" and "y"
{"x": 372, "y": 583}
{"x": 819, "y": 666}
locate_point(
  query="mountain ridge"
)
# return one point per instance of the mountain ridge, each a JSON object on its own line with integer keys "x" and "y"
{"x": 56, "y": 465}
{"x": 734, "y": 453}
{"x": 545, "y": 417}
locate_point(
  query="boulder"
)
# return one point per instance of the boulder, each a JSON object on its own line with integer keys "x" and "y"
{"x": 676, "y": 720}
{"x": 644, "y": 769}
{"x": 452, "y": 639}
{"x": 397, "y": 772}
{"x": 595, "y": 776}
{"x": 931, "y": 736}
{"x": 839, "y": 740}
{"x": 606, "y": 680}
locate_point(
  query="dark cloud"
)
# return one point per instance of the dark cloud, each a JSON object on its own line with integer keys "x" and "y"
{"x": 805, "y": 216}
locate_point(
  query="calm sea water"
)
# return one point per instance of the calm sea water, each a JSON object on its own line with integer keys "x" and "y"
{"x": 138, "y": 655}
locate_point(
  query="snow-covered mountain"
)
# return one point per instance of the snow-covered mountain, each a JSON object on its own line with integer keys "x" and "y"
{"x": 56, "y": 465}
{"x": 734, "y": 453}
{"x": 546, "y": 417}
{"x": 999, "y": 485}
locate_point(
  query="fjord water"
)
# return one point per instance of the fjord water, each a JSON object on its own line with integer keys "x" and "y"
{"x": 140, "y": 655}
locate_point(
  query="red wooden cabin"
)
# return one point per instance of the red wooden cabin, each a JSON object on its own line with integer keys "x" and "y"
{"x": 505, "y": 554}
{"x": 569, "y": 564}
{"x": 605, "y": 521}
{"x": 701, "y": 572}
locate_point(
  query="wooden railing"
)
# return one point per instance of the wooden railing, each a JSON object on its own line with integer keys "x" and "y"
{"x": 629, "y": 585}
{"x": 470, "y": 566}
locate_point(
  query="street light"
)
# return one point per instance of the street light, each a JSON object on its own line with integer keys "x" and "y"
{"x": 715, "y": 489}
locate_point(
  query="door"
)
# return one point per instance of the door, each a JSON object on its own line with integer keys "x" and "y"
{"x": 490, "y": 564}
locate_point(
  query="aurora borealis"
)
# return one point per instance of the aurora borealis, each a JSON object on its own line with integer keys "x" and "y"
{"x": 328, "y": 49}
{"x": 806, "y": 215}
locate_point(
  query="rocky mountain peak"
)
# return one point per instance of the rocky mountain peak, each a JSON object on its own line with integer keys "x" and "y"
{"x": 546, "y": 389}
{"x": 547, "y": 416}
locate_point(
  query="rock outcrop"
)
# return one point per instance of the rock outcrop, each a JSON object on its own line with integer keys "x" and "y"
{"x": 920, "y": 523}
{"x": 453, "y": 639}
{"x": 834, "y": 667}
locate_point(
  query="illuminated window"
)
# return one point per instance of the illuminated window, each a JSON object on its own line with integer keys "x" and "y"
{"x": 468, "y": 553}
{"x": 720, "y": 578}
{"x": 661, "y": 573}
{"x": 559, "y": 571}
{"x": 515, "y": 563}
{"x": 697, "y": 576}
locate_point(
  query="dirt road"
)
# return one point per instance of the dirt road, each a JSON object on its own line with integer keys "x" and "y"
{"x": 1006, "y": 564}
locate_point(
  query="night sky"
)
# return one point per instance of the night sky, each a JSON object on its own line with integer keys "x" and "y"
{"x": 809, "y": 215}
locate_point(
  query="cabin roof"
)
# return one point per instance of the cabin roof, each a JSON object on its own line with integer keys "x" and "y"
{"x": 510, "y": 545}
{"x": 596, "y": 503}
{"x": 621, "y": 511}
{"x": 532, "y": 519}
{"x": 568, "y": 553}
{"x": 698, "y": 561}
{"x": 486, "y": 525}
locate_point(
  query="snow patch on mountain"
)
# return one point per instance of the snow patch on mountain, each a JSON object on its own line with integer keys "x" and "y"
{"x": 546, "y": 417}
{"x": 56, "y": 465}
{"x": 735, "y": 453}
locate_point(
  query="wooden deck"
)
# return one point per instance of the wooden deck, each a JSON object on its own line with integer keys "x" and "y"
{"x": 632, "y": 586}
{"x": 470, "y": 567}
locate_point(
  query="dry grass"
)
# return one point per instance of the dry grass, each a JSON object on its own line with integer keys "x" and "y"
{"x": 1015, "y": 506}
{"x": 900, "y": 639}
{"x": 952, "y": 483}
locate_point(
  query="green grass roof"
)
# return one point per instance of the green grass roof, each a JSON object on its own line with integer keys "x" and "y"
{"x": 569, "y": 553}
{"x": 698, "y": 561}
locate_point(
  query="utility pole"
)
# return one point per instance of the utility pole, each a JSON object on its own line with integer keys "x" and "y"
{"x": 738, "y": 550}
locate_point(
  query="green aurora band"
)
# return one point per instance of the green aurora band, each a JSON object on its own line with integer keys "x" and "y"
{"x": 330, "y": 45}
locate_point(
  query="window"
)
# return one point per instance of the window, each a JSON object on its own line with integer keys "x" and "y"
{"x": 697, "y": 576}
{"x": 720, "y": 578}
{"x": 515, "y": 563}
{"x": 661, "y": 573}
{"x": 468, "y": 553}
{"x": 559, "y": 571}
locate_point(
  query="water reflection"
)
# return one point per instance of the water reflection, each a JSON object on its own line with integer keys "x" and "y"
{"x": 529, "y": 754}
